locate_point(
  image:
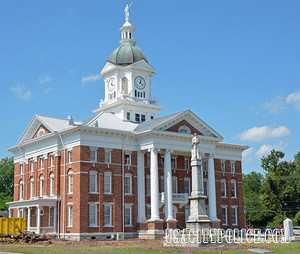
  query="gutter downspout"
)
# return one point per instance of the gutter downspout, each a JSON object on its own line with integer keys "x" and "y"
{"x": 65, "y": 194}
{"x": 123, "y": 187}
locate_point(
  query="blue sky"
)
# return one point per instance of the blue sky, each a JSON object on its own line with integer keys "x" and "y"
{"x": 234, "y": 63}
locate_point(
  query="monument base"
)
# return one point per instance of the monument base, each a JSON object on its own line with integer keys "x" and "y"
{"x": 198, "y": 224}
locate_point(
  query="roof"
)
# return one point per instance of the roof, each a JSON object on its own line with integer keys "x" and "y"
{"x": 126, "y": 54}
{"x": 54, "y": 123}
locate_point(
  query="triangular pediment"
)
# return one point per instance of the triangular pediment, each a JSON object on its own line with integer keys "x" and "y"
{"x": 108, "y": 66}
{"x": 142, "y": 64}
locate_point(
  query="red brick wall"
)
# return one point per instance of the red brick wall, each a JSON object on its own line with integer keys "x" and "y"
{"x": 175, "y": 128}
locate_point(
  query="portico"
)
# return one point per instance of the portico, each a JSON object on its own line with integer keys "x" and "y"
{"x": 35, "y": 208}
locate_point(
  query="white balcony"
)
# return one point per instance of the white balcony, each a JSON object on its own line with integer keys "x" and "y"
{"x": 178, "y": 198}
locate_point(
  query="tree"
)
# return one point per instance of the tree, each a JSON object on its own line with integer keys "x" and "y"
{"x": 6, "y": 181}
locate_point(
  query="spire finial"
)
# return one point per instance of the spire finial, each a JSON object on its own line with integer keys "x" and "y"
{"x": 126, "y": 10}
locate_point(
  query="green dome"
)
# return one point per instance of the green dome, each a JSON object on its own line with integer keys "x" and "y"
{"x": 126, "y": 54}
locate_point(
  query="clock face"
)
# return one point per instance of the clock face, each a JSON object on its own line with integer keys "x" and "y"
{"x": 111, "y": 84}
{"x": 140, "y": 82}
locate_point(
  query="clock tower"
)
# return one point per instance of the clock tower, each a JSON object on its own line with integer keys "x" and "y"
{"x": 127, "y": 80}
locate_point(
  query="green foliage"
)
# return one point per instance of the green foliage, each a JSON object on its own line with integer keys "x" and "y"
{"x": 6, "y": 181}
{"x": 296, "y": 220}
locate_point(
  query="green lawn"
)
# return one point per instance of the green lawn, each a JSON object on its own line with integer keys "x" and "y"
{"x": 290, "y": 248}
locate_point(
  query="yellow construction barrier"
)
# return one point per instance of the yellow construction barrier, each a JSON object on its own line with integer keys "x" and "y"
{"x": 9, "y": 225}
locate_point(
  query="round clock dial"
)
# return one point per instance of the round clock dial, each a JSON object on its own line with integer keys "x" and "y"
{"x": 111, "y": 84}
{"x": 140, "y": 82}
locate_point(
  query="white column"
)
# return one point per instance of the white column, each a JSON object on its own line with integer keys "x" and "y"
{"x": 19, "y": 212}
{"x": 212, "y": 189}
{"x": 54, "y": 219}
{"x": 38, "y": 220}
{"x": 28, "y": 218}
{"x": 168, "y": 186}
{"x": 141, "y": 187}
{"x": 154, "y": 185}
{"x": 9, "y": 212}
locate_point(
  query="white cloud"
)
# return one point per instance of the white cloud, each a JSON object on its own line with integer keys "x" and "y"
{"x": 257, "y": 134}
{"x": 294, "y": 98}
{"x": 90, "y": 78}
{"x": 21, "y": 91}
{"x": 247, "y": 152}
{"x": 44, "y": 79}
{"x": 267, "y": 148}
{"x": 276, "y": 105}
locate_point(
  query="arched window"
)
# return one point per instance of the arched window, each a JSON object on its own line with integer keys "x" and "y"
{"x": 51, "y": 184}
{"x": 41, "y": 133}
{"x": 41, "y": 186}
{"x": 125, "y": 85}
{"x": 70, "y": 182}
{"x": 184, "y": 130}
{"x": 21, "y": 190}
{"x": 31, "y": 188}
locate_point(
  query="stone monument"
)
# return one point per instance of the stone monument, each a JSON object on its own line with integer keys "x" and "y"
{"x": 198, "y": 218}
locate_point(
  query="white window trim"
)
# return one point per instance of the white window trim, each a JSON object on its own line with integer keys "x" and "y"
{"x": 174, "y": 158}
{"x": 176, "y": 185}
{"x": 188, "y": 160}
{"x": 130, "y": 186}
{"x": 109, "y": 151}
{"x": 70, "y": 156}
{"x": 93, "y": 150}
{"x": 41, "y": 159}
{"x": 95, "y": 206}
{"x": 187, "y": 179}
{"x": 31, "y": 188}
{"x": 69, "y": 217}
{"x": 94, "y": 173}
{"x": 31, "y": 166}
{"x": 52, "y": 184}
{"x": 184, "y": 127}
{"x": 21, "y": 190}
{"x": 130, "y": 207}
{"x": 51, "y": 160}
{"x": 127, "y": 164}
{"x": 21, "y": 169}
{"x": 110, "y": 216}
{"x": 235, "y": 190}
{"x": 69, "y": 189}
{"x": 232, "y": 167}
{"x": 110, "y": 184}
{"x": 42, "y": 187}
{"x": 224, "y": 181}
{"x": 236, "y": 215}
{"x": 205, "y": 180}
{"x": 223, "y": 169}
{"x": 226, "y": 208}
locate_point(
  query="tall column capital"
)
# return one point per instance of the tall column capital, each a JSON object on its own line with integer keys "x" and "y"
{"x": 168, "y": 151}
{"x": 153, "y": 149}
{"x": 211, "y": 156}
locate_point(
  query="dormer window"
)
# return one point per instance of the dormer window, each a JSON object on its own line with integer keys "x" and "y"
{"x": 137, "y": 118}
{"x": 184, "y": 130}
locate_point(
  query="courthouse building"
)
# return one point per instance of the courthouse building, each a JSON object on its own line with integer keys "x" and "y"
{"x": 114, "y": 172}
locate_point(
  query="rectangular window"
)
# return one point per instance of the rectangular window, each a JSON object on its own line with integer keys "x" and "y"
{"x": 162, "y": 161}
{"x": 51, "y": 212}
{"x": 70, "y": 176}
{"x": 107, "y": 216}
{"x": 187, "y": 212}
{"x": 234, "y": 215}
{"x": 107, "y": 157}
{"x": 162, "y": 184}
{"x": 51, "y": 161}
{"x": 205, "y": 187}
{"x": 93, "y": 156}
{"x": 31, "y": 189}
{"x": 137, "y": 118}
{"x": 187, "y": 188}
{"x": 127, "y": 159}
{"x": 128, "y": 215}
{"x": 128, "y": 116}
{"x": 21, "y": 191}
{"x": 70, "y": 156}
{"x": 31, "y": 166}
{"x": 107, "y": 183}
{"x": 186, "y": 163}
{"x": 224, "y": 215}
{"x": 233, "y": 189}
{"x": 148, "y": 212}
{"x": 223, "y": 166}
{"x": 41, "y": 163}
{"x": 128, "y": 184}
{"x": 223, "y": 188}
{"x": 93, "y": 182}
{"x": 93, "y": 215}
{"x": 204, "y": 165}
{"x": 70, "y": 215}
{"x": 173, "y": 163}
{"x": 151, "y": 117}
{"x": 232, "y": 167}
{"x": 21, "y": 169}
{"x": 51, "y": 185}
{"x": 143, "y": 118}
{"x": 174, "y": 184}
{"x": 148, "y": 185}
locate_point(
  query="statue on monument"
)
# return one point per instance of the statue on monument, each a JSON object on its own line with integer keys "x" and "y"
{"x": 126, "y": 10}
{"x": 195, "y": 147}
